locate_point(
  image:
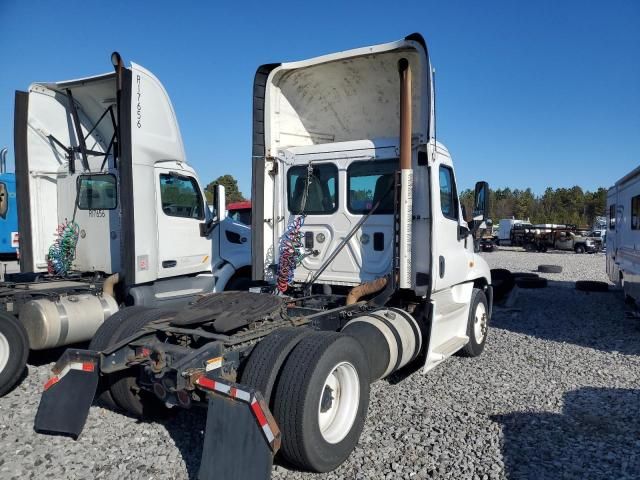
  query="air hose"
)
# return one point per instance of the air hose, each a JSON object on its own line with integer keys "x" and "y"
{"x": 63, "y": 251}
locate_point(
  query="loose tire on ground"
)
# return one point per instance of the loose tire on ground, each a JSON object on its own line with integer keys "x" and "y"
{"x": 266, "y": 361}
{"x": 550, "y": 268}
{"x": 517, "y": 275}
{"x": 502, "y": 282}
{"x": 531, "y": 282}
{"x": 477, "y": 324}
{"x": 321, "y": 400}
{"x": 123, "y": 387}
{"x": 592, "y": 286}
{"x": 14, "y": 349}
{"x": 103, "y": 338}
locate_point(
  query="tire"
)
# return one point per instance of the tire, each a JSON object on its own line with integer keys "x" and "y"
{"x": 579, "y": 249}
{"x": 239, "y": 283}
{"x": 103, "y": 338}
{"x": 531, "y": 282}
{"x": 592, "y": 286}
{"x": 529, "y": 247}
{"x": 477, "y": 324}
{"x": 502, "y": 282}
{"x": 265, "y": 362}
{"x": 302, "y": 391}
{"x": 14, "y": 349}
{"x": 123, "y": 386}
{"x": 517, "y": 275}
{"x": 550, "y": 268}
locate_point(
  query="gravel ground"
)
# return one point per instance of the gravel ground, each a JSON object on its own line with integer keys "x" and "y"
{"x": 556, "y": 394}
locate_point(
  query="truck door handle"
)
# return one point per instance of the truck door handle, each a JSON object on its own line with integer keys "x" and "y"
{"x": 441, "y": 261}
{"x": 169, "y": 264}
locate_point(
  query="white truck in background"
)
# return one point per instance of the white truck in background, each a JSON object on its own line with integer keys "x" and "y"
{"x": 367, "y": 267}
{"x": 101, "y": 161}
{"x": 504, "y": 229}
{"x": 623, "y": 234}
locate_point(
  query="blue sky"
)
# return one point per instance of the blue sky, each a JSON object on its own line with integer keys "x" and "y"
{"x": 530, "y": 94}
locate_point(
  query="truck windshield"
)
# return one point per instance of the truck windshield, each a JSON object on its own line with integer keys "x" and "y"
{"x": 315, "y": 191}
{"x": 97, "y": 192}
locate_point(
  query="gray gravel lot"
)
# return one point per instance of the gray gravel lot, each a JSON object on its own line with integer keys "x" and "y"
{"x": 556, "y": 394}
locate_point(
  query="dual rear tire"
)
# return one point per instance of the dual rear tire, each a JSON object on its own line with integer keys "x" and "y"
{"x": 120, "y": 389}
{"x": 319, "y": 394}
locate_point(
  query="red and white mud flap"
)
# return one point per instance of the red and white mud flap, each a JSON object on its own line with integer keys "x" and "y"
{"x": 241, "y": 435}
{"x": 68, "y": 394}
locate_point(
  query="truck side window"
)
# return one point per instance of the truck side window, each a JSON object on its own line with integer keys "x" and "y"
{"x": 369, "y": 182}
{"x": 4, "y": 200}
{"x": 315, "y": 192}
{"x": 97, "y": 192}
{"x": 180, "y": 196}
{"x": 612, "y": 217}
{"x": 448, "y": 193}
{"x": 635, "y": 213}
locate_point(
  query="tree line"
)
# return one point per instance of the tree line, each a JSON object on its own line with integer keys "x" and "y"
{"x": 561, "y": 205}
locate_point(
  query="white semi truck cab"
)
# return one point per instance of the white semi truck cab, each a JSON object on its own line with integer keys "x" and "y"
{"x": 111, "y": 213}
{"x": 365, "y": 265}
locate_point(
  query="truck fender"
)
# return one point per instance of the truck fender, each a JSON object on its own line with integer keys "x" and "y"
{"x": 223, "y": 274}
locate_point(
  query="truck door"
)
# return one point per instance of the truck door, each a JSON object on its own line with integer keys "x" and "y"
{"x": 180, "y": 211}
{"x": 451, "y": 259}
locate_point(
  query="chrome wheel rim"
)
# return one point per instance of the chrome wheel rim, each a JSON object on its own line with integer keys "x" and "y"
{"x": 480, "y": 323}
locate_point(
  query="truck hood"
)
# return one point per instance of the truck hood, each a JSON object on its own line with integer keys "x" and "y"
{"x": 345, "y": 96}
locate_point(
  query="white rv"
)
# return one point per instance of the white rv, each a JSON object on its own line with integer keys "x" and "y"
{"x": 623, "y": 234}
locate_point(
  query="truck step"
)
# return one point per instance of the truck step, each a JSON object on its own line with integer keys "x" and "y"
{"x": 451, "y": 346}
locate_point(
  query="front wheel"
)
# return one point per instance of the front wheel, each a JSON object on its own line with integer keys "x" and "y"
{"x": 478, "y": 324}
{"x": 321, "y": 400}
{"x": 579, "y": 249}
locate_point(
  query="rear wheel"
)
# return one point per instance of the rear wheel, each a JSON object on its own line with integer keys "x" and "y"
{"x": 321, "y": 400}
{"x": 102, "y": 339}
{"x": 14, "y": 349}
{"x": 265, "y": 362}
{"x": 123, "y": 385}
{"x": 477, "y": 325}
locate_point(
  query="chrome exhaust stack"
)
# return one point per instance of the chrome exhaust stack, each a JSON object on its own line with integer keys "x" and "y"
{"x": 406, "y": 175}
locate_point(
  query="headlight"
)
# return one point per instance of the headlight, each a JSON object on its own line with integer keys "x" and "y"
{"x": 589, "y": 242}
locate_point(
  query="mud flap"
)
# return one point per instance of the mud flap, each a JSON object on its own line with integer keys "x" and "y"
{"x": 68, "y": 394}
{"x": 241, "y": 436}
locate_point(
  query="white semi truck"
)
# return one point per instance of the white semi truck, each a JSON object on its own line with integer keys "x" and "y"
{"x": 100, "y": 160}
{"x": 367, "y": 268}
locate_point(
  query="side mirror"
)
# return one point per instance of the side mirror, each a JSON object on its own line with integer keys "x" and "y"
{"x": 481, "y": 202}
{"x": 219, "y": 202}
{"x": 220, "y": 211}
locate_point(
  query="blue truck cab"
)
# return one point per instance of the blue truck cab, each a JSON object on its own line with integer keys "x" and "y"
{"x": 8, "y": 215}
